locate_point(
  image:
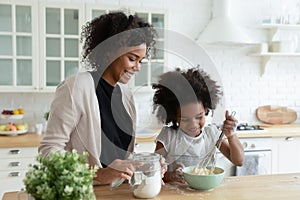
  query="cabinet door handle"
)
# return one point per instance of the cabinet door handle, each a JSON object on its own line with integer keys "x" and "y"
{"x": 289, "y": 139}
{"x": 15, "y": 164}
{"x": 15, "y": 151}
{"x": 14, "y": 174}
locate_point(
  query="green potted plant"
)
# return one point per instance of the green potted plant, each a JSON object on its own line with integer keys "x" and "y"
{"x": 61, "y": 176}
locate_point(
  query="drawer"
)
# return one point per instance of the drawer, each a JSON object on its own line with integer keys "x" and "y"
{"x": 16, "y": 163}
{"x": 12, "y": 180}
{"x": 18, "y": 152}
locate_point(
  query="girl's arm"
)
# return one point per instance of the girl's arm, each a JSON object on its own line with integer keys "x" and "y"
{"x": 174, "y": 176}
{"x": 232, "y": 147}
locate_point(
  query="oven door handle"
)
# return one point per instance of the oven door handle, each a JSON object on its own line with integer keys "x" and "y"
{"x": 289, "y": 139}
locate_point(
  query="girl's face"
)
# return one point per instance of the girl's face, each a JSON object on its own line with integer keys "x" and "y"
{"x": 192, "y": 118}
{"x": 125, "y": 66}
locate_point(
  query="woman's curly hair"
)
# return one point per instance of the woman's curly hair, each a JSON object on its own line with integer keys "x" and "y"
{"x": 108, "y": 25}
{"x": 179, "y": 87}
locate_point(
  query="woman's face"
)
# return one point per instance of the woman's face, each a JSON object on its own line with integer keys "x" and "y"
{"x": 124, "y": 67}
{"x": 192, "y": 118}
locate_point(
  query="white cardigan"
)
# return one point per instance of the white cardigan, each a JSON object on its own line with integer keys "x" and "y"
{"x": 74, "y": 121}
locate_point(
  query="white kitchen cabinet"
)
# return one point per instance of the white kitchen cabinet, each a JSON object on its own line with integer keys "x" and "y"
{"x": 14, "y": 165}
{"x": 285, "y": 155}
{"x": 19, "y": 46}
{"x": 40, "y": 43}
{"x": 60, "y": 46}
{"x": 150, "y": 69}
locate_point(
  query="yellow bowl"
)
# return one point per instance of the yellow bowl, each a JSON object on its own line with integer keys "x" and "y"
{"x": 203, "y": 182}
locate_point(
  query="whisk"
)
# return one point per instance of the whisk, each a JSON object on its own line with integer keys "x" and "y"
{"x": 211, "y": 156}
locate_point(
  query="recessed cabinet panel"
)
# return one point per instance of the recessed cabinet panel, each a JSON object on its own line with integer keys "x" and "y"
{"x": 52, "y": 73}
{"x": 6, "y": 45}
{"x": 71, "y": 67}
{"x": 141, "y": 77}
{"x": 159, "y": 53}
{"x": 156, "y": 70}
{"x": 97, "y": 13}
{"x": 6, "y": 66}
{"x": 53, "y": 21}
{"x": 158, "y": 22}
{"x": 53, "y": 47}
{"x": 24, "y": 46}
{"x": 71, "y": 48}
{"x": 144, "y": 16}
{"x": 71, "y": 22}
{"x": 6, "y": 18}
{"x": 24, "y": 72}
{"x": 23, "y": 19}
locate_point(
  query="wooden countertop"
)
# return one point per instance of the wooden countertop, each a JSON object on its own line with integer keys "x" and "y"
{"x": 33, "y": 140}
{"x": 285, "y": 130}
{"x": 23, "y": 140}
{"x": 267, "y": 187}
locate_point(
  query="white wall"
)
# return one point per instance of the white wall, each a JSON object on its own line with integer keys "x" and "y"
{"x": 244, "y": 87}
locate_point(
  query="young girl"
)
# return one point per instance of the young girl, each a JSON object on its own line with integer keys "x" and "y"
{"x": 182, "y": 100}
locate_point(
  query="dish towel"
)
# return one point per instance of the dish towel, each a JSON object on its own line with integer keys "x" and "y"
{"x": 250, "y": 166}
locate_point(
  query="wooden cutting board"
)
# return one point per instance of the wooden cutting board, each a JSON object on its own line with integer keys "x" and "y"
{"x": 276, "y": 114}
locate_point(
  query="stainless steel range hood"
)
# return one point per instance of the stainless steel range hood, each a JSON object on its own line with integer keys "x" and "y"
{"x": 221, "y": 29}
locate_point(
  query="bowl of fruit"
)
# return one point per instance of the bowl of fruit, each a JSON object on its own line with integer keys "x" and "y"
{"x": 12, "y": 113}
{"x": 13, "y": 128}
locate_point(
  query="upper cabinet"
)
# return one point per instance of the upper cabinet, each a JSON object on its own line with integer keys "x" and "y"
{"x": 18, "y": 49}
{"x": 59, "y": 43}
{"x": 40, "y": 43}
{"x": 150, "y": 68}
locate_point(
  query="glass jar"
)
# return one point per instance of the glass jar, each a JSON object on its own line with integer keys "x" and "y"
{"x": 146, "y": 180}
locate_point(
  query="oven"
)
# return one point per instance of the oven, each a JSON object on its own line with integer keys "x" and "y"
{"x": 258, "y": 158}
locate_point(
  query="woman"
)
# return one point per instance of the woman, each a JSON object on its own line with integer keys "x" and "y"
{"x": 93, "y": 111}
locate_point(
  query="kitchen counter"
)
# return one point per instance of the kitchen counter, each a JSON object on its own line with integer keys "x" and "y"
{"x": 273, "y": 131}
{"x": 23, "y": 140}
{"x": 33, "y": 140}
{"x": 285, "y": 130}
{"x": 273, "y": 187}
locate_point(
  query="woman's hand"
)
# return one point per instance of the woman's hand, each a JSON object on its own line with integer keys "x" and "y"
{"x": 229, "y": 125}
{"x": 164, "y": 168}
{"x": 117, "y": 169}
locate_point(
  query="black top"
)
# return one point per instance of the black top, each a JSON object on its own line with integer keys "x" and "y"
{"x": 117, "y": 127}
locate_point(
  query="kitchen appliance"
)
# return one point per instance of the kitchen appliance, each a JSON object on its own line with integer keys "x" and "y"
{"x": 231, "y": 33}
{"x": 247, "y": 127}
{"x": 257, "y": 151}
{"x": 258, "y": 157}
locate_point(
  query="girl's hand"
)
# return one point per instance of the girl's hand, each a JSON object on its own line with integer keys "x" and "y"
{"x": 117, "y": 169}
{"x": 177, "y": 174}
{"x": 229, "y": 125}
